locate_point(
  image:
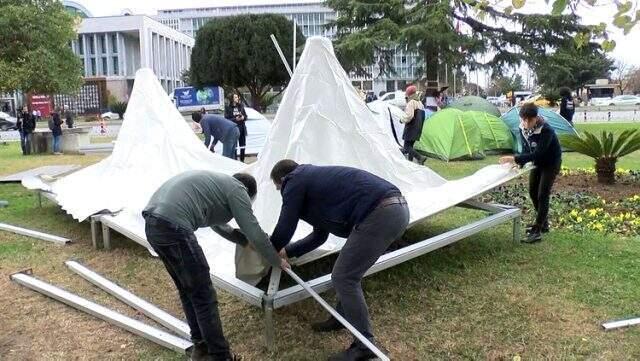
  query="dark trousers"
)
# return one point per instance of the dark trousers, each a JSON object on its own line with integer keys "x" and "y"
{"x": 540, "y": 184}
{"x": 184, "y": 260}
{"x": 409, "y": 151}
{"x": 242, "y": 141}
{"x": 25, "y": 143}
{"x": 366, "y": 243}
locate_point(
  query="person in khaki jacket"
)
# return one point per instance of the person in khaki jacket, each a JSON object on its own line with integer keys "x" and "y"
{"x": 413, "y": 124}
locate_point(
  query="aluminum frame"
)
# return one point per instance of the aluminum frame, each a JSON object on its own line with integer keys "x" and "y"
{"x": 613, "y": 325}
{"x": 172, "y": 323}
{"x": 34, "y": 234}
{"x": 275, "y": 297}
{"x": 134, "y": 326}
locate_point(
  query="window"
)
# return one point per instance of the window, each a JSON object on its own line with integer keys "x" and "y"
{"x": 114, "y": 43}
{"x": 92, "y": 70}
{"x": 116, "y": 70}
{"x": 105, "y": 69}
{"x": 81, "y": 44}
{"x": 103, "y": 44}
{"x": 92, "y": 44}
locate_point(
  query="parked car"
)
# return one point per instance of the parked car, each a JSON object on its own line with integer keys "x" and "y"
{"x": 7, "y": 122}
{"x": 624, "y": 100}
{"x": 599, "y": 101}
{"x": 397, "y": 98}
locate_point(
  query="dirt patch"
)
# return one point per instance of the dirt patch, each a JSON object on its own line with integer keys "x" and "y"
{"x": 588, "y": 183}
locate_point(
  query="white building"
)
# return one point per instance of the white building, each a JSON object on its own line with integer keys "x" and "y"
{"x": 115, "y": 47}
{"x": 312, "y": 18}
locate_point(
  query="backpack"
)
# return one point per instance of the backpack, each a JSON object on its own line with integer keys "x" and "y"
{"x": 50, "y": 123}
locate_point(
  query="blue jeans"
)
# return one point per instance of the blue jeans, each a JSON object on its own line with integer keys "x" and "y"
{"x": 56, "y": 143}
{"x": 229, "y": 143}
{"x": 25, "y": 142}
{"x": 185, "y": 262}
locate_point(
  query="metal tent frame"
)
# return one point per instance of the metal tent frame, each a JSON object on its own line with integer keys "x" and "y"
{"x": 275, "y": 297}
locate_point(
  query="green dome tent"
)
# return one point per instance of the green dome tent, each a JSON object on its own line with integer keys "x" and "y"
{"x": 495, "y": 134}
{"x": 474, "y": 103}
{"x": 452, "y": 134}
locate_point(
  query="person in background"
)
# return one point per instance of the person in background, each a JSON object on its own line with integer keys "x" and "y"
{"x": 430, "y": 100}
{"x": 236, "y": 113}
{"x": 56, "y": 131}
{"x": 26, "y": 125}
{"x": 567, "y": 104}
{"x": 217, "y": 128}
{"x": 68, "y": 117}
{"x": 413, "y": 124}
{"x": 347, "y": 202}
{"x": 183, "y": 204}
{"x": 541, "y": 147}
{"x": 203, "y": 111}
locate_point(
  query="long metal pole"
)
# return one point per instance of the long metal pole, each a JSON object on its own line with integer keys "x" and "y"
{"x": 612, "y": 325}
{"x": 295, "y": 30}
{"x": 34, "y": 234}
{"x": 337, "y": 316}
{"x": 134, "y": 326}
{"x": 172, "y": 323}
{"x": 284, "y": 60}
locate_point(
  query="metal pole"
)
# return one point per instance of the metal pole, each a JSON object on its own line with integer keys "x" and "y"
{"x": 454, "y": 82}
{"x": 174, "y": 324}
{"x": 284, "y": 60}
{"x": 295, "y": 30}
{"x": 338, "y": 317}
{"x": 134, "y": 326}
{"x": 612, "y": 325}
{"x": 34, "y": 234}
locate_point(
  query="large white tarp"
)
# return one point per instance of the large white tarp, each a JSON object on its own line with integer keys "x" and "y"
{"x": 321, "y": 120}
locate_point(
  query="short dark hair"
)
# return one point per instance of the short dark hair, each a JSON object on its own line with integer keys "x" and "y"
{"x": 528, "y": 111}
{"x": 249, "y": 182}
{"x": 282, "y": 168}
{"x": 565, "y": 92}
{"x": 196, "y": 117}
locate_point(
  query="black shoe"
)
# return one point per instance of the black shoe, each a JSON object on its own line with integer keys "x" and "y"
{"x": 199, "y": 351}
{"x": 543, "y": 229}
{"x": 533, "y": 236}
{"x": 329, "y": 325}
{"x": 356, "y": 352}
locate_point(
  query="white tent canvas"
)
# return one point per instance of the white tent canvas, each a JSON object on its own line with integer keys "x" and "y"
{"x": 321, "y": 120}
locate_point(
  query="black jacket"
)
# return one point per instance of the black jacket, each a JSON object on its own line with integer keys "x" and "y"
{"x": 232, "y": 109}
{"x": 567, "y": 108}
{"x": 57, "y": 124}
{"x": 331, "y": 199}
{"x": 542, "y": 147}
{"x": 26, "y": 122}
{"x": 413, "y": 129}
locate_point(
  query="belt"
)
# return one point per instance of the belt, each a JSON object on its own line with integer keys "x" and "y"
{"x": 391, "y": 200}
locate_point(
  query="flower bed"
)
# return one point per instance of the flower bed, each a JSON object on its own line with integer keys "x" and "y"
{"x": 580, "y": 204}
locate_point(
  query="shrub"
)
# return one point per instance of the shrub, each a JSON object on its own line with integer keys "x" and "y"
{"x": 119, "y": 108}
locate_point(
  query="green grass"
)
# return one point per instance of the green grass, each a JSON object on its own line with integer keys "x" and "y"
{"x": 484, "y": 297}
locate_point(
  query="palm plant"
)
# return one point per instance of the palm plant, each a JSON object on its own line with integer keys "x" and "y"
{"x": 606, "y": 150}
{"x": 119, "y": 108}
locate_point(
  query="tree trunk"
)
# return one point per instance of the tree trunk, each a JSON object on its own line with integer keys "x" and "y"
{"x": 606, "y": 170}
{"x": 256, "y": 98}
{"x": 431, "y": 56}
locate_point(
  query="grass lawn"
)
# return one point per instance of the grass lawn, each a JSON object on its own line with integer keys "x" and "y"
{"x": 485, "y": 297}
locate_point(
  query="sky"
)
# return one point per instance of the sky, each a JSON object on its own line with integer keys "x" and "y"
{"x": 626, "y": 49}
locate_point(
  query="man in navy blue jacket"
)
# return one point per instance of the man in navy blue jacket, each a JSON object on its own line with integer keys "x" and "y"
{"x": 541, "y": 147}
{"x": 347, "y": 202}
{"x": 217, "y": 128}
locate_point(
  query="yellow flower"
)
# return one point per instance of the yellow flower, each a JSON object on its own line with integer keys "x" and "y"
{"x": 574, "y": 213}
{"x": 579, "y": 219}
{"x": 598, "y": 226}
{"x": 593, "y": 212}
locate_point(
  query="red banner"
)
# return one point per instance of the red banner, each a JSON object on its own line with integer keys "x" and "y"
{"x": 41, "y": 103}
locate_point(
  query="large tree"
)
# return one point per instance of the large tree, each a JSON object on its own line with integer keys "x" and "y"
{"x": 502, "y": 84}
{"x": 237, "y": 52}
{"x": 622, "y": 75}
{"x": 35, "y": 55}
{"x": 571, "y": 67}
{"x": 457, "y": 32}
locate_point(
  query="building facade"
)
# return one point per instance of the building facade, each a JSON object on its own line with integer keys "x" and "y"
{"x": 312, "y": 18}
{"x": 115, "y": 47}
